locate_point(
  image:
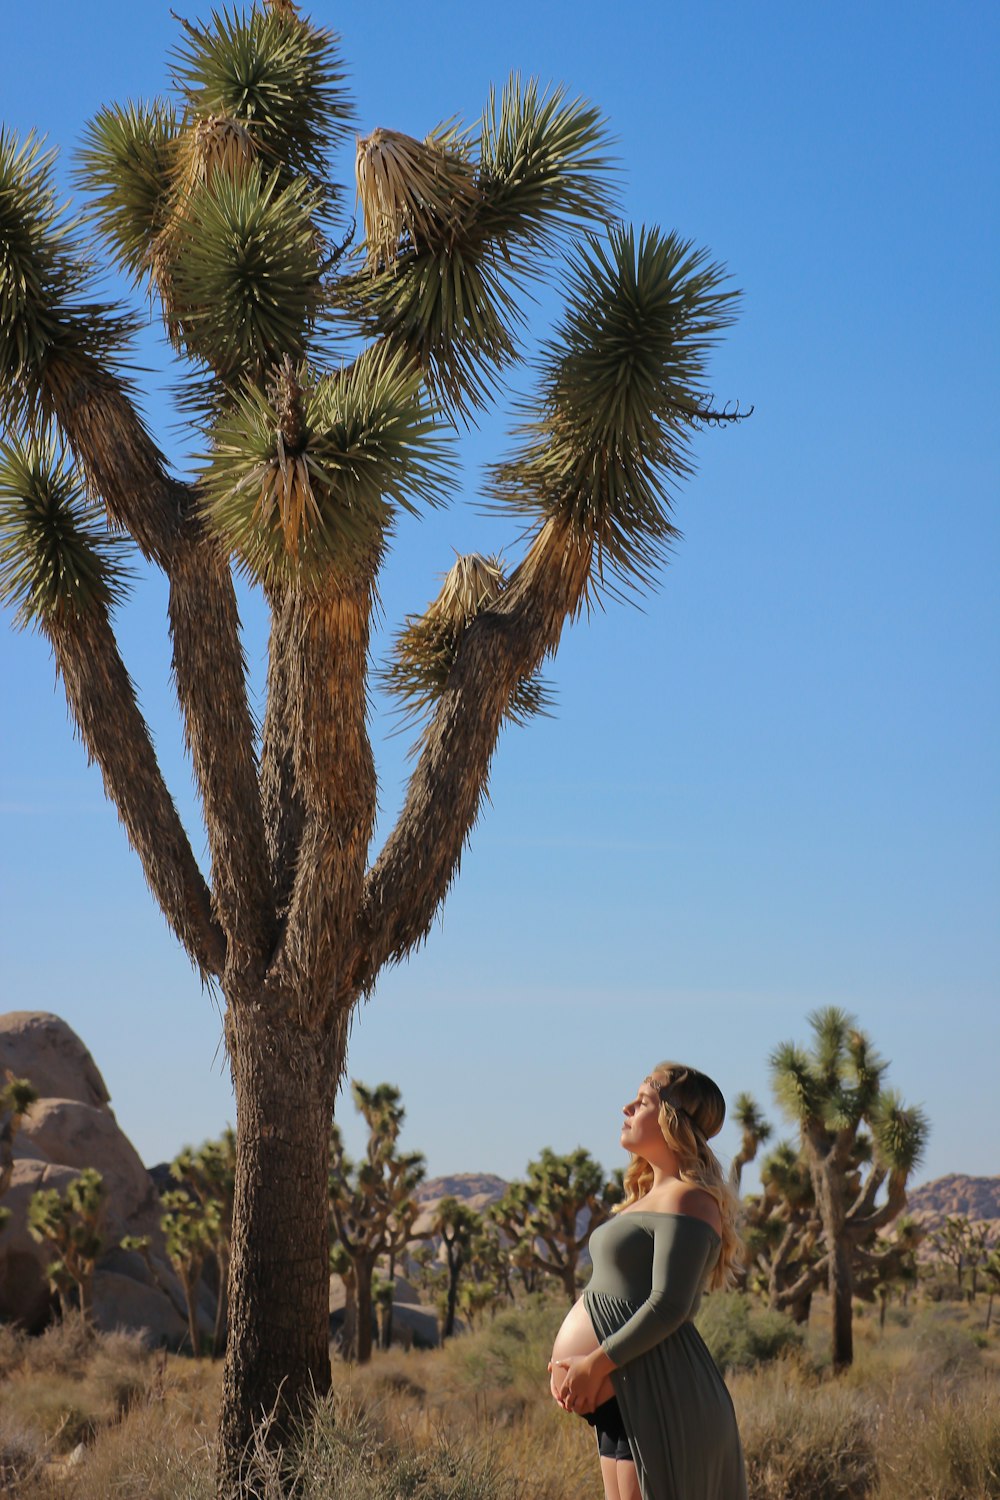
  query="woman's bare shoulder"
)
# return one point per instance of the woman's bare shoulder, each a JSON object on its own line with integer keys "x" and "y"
{"x": 688, "y": 1199}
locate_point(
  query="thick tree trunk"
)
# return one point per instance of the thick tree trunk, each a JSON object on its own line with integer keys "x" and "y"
{"x": 277, "y": 1356}
{"x": 841, "y": 1310}
{"x": 219, "y": 1331}
{"x": 190, "y": 1282}
{"x": 454, "y": 1272}
{"x": 363, "y": 1338}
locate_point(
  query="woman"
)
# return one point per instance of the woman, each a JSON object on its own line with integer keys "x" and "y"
{"x": 628, "y": 1356}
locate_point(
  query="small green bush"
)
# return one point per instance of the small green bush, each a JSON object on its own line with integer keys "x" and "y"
{"x": 740, "y": 1334}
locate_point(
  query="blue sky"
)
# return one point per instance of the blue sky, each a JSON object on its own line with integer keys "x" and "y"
{"x": 772, "y": 787}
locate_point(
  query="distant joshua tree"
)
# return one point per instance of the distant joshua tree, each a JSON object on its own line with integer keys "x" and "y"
{"x": 72, "y": 1223}
{"x": 16, "y": 1098}
{"x": 549, "y": 1217}
{"x": 372, "y": 1208}
{"x": 835, "y": 1091}
{"x": 321, "y": 380}
{"x": 755, "y": 1130}
{"x": 209, "y": 1175}
{"x": 458, "y": 1226}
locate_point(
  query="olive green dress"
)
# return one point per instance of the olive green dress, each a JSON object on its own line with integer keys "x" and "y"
{"x": 649, "y": 1271}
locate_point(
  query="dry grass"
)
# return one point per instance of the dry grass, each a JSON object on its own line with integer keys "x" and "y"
{"x": 917, "y": 1418}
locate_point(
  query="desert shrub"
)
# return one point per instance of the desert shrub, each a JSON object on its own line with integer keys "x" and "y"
{"x": 942, "y": 1449}
{"x": 64, "y": 1348}
{"x": 946, "y": 1350}
{"x": 123, "y": 1371}
{"x": 58, "y": 1408}
{"x": 344, "y": 1451}
{"x": 741, "y": 1334}
{"x": 514, "y": 1346}
{"x": 20, "y": 1454}
{"x": 12, "y": 1342}
{"x": 805, "y": 1440}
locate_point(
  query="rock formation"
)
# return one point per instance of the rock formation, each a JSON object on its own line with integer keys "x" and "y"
{"x": 72, "y": 1126}
{"x": 974, "y": 1198}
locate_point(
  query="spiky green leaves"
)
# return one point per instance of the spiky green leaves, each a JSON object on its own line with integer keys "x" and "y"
{"x": 294, "y": 492}
{"x": 56, "y": 560}
{"x": 243, "y": 273}
{"x": 900, "y": 1133}
{"x": 278, "y": 74}
{"x": 620, "y": 386}
{"x": 47, "y": 332}
{"x": 427, "y": 645}
{"x": 126, "y": 163}
{"x": 544, "y": 167}
{"x": 452, "y": 239}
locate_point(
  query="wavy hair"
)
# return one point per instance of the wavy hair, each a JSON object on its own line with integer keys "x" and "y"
{"x": 692, "y": 1110}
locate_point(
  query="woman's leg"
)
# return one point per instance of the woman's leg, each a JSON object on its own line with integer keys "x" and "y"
{"x": 626, "y": 1479}
{"x": 609, "y": 1473}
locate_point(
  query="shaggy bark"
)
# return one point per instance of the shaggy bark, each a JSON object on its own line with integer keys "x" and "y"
{"x": 285, "y": 1078}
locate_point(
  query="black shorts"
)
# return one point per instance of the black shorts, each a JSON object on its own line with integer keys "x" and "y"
{"x": 612, "y": 1439}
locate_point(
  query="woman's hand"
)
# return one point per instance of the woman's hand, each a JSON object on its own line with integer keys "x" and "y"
{"x": 585, "y": 1374}
{"x": 556, "y": 1378}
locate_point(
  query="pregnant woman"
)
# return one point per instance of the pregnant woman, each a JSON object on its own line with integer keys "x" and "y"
{"x": 628, "y": 1356}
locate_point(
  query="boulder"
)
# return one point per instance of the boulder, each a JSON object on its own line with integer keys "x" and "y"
{"x": 24, "y": 1290}
{"x": 39, "y": 1046}
{"x": 72, "y": 1126}
{"x": 413, "y": 1324}
{"x": 85, "y": 1135}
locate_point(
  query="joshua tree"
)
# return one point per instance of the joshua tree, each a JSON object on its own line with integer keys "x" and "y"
{"x": 755, "y": 1131}
{"x": 320, "y": 380}
{"x": 372, "y": 1207}
{"x": 890, "y": 1265}
{"x": 458, "y": 1225}
{"x": 210, "y": 1175}
{"x": 16, "y": 1098}
{"x": 833, "y": 1091}
{"x": 489, "y": 1261}
{"x": 991, "y": 1270}
{"x": 782, "y": 1234}
{"x": 192, "y": 1230}
{"x": 550, "y": 1216}
{"x": 72, "y": 1223}
{"x": 966, "y": 1246}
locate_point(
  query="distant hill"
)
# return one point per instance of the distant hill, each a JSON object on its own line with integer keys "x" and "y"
{"x": 977, "y": 1198}
{"x": 483, "y": 1187}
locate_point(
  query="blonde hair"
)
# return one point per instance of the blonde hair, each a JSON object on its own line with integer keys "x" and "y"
{"x": 692, "y": 1110}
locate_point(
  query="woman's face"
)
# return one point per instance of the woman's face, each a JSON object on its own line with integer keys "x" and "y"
{"x": 641, "y": 1126}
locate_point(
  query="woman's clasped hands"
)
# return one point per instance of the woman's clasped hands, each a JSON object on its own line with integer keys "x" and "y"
{"x": 576, "y": 1380}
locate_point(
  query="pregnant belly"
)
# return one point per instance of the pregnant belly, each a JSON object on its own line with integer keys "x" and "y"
{"x": 576, "y": 1336}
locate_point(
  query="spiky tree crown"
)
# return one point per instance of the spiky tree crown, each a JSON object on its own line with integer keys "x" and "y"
{"x": 836, "y": 1086}
{"x": 323, "y": 380}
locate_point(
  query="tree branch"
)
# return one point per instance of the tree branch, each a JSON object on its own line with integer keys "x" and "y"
{"x": 334, "y": 773}
{"x": 862, "y": 1226}
{"x": 210, "y": 676}
{"x": 102, "y": 701}
{"x": 123, "y": 465}
{"x": 501, "y": 646}
{"x": 284, "y": 812}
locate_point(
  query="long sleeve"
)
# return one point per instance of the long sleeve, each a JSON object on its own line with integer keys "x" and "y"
{"x": 682, "y": 1250}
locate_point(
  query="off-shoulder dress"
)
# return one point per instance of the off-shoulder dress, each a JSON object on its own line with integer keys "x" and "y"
{"x": 649, "y": 1271}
